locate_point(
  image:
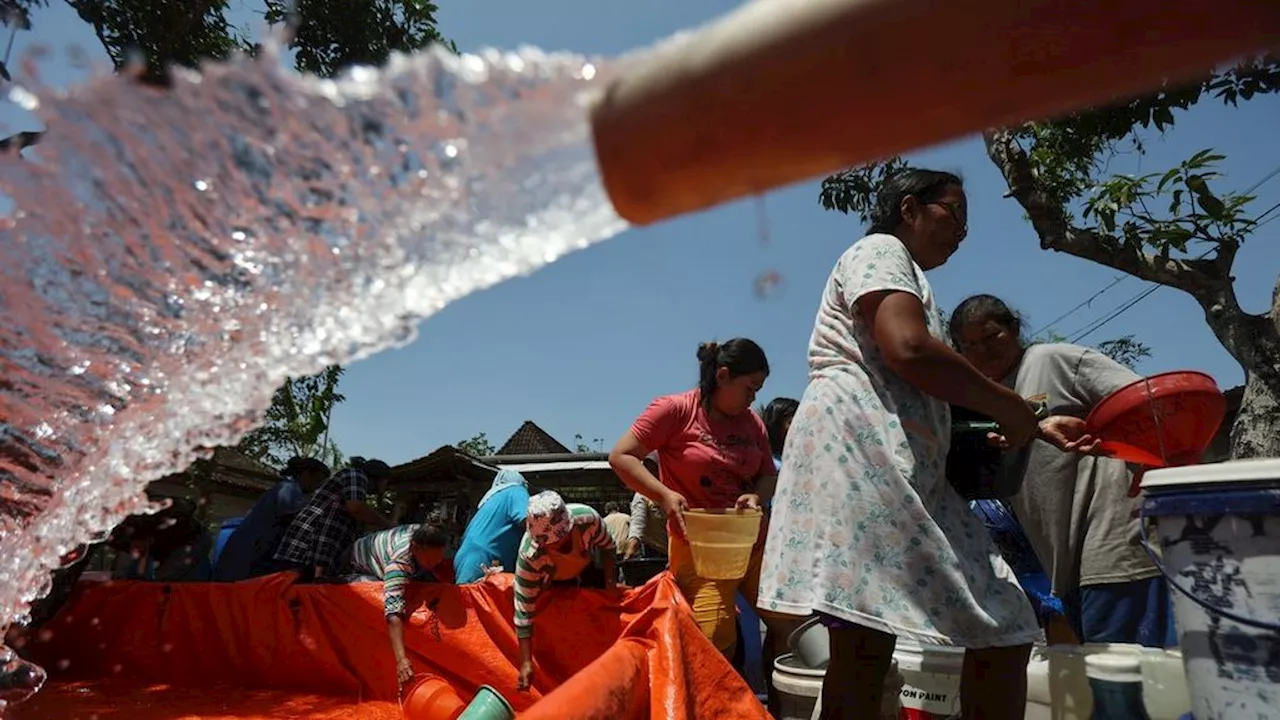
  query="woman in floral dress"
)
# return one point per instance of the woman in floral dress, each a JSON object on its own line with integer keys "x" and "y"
{"x": 865, "y": 529}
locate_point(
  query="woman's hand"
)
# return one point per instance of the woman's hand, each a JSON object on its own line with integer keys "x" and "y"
{"x": 1069, "y": 434}
{"x": 1018, "y": 424}
{"x": 673, "y": 506}
{"x": 631, "y": 548}
{"x": 526, "y": 675}
{"x": 404, "y": 671}
{"x": 748, "y": 501}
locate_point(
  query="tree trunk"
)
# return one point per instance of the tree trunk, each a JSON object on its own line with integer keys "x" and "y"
{"x": 1256, "y": 431}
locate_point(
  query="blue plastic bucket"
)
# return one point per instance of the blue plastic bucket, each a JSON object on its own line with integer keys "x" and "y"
{"x": 1219, "y": 533}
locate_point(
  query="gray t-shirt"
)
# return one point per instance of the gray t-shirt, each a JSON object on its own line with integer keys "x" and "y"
{"x": 1076, "y": 510}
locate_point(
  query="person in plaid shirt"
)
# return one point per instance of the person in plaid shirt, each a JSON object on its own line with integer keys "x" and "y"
{"x": 327, "y": 525}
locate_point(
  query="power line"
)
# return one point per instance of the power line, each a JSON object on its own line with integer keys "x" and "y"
{"x": 1089, "y": 329}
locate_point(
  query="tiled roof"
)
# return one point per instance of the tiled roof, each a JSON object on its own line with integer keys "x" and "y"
{"x": 447, "y": 463}
{"x": 532, "y": 440}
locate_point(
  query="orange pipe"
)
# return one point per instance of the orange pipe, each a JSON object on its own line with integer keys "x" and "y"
{"x": 783, "y": 90}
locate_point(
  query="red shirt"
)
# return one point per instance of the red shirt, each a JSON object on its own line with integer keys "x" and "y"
{"x": 710, "y": 462}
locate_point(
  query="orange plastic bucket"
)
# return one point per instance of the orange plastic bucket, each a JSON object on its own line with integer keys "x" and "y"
{"x": 1164, "y": 420}
{"x": 430, "y": 697}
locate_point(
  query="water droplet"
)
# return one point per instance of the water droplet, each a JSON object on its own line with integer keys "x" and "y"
{"x": 63, "y": 664}
{"x": 202, "y": 185}
{"x": 117, "y": 668}
{"x": 768, "y": 284}
{"x": 24, "y": 98}
{"x": 588, "y": 71}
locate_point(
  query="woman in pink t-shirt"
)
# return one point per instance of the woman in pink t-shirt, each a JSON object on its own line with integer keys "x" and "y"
{"x": 713, "y": 452}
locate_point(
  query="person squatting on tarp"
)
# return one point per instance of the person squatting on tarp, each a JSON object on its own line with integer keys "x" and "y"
{"x": 330, "y": 521}
{"x": 556, "y": 546}
{"x": 866, "y": 529}
{"x": 396, "y": 557}
{"x": 250, "y": 550}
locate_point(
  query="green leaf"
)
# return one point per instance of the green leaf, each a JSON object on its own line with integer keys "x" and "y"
{"x": 1212, "y": 206}
{"x": 1166, "y": 179}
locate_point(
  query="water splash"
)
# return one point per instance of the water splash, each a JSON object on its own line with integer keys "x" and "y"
{"x": 174, "y": 255}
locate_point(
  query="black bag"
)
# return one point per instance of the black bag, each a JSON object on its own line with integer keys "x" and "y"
{"x": 977, "y": 470}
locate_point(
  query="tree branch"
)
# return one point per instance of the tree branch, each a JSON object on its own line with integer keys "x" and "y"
{"x": 1056, "y": 232}
{"x": 1209, "y": 281}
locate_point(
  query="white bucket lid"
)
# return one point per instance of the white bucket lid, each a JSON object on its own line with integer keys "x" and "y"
{"x": 1235, "y": 471}
{"x": 1114, "y": 668}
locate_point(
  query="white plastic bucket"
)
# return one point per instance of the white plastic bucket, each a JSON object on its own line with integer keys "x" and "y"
{"x": 1039, "y": 698}
{"x": 930, "y": 680}
{"x": 1164, "y": 691}
{"x": 1219, "y": 532}
{"x": 797, "y": 686}
{"x": 799, "y": 690}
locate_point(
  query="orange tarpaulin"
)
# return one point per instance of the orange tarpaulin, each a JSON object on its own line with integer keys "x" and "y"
{"x": 268, "y": 648}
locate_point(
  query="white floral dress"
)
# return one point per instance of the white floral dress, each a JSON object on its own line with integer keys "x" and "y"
{"x": 864, "y": 525}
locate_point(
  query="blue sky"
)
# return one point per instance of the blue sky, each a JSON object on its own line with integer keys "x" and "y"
{"x": 583, "y": 345}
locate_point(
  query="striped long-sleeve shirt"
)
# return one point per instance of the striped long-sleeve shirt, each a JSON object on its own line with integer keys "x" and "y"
{"x": 387, "y": 555}
{"x": 536, "y": 567}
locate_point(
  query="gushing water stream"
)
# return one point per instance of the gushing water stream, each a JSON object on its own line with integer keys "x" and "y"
{"x": 174, "y": 255}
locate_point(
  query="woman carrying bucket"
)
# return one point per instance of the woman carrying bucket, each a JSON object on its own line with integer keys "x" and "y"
{"x": 713, "y": 453}
{"x": 1076, "y": 510}
{"x": 865, "y": 528}
{"x": 556, "y": 546}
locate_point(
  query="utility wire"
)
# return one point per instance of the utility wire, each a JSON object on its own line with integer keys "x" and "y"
{"x": 1091, "y": 327}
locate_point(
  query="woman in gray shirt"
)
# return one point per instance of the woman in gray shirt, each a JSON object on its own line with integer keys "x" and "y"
{"x": 1075, "y": 510}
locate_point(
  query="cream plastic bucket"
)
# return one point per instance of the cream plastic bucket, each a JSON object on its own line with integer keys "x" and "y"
{"x": 721, "y": 541}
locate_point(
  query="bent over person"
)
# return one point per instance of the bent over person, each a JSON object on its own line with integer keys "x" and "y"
{"x": 396, "y": 557}
{"x": 557, "y": 546}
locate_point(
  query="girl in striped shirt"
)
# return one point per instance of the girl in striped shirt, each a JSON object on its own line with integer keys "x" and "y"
{"x": 557, "y": 545}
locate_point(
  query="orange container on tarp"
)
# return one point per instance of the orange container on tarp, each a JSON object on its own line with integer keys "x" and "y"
{"x": 429, "y": 697}
{"x": 1164, "y": 420}
{"x": 267, "y": 648}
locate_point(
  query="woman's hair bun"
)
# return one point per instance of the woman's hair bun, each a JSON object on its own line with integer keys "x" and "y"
{"x": 708, "y": 351}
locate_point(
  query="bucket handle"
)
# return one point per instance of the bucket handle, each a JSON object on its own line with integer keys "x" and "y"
{"x": 1176, "y": 585}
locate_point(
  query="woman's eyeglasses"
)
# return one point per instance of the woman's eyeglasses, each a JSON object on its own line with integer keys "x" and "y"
{"x": 962, "y": 225}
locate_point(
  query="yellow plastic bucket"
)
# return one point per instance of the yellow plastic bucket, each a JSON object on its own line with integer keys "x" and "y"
{"x": 720, "y": 541}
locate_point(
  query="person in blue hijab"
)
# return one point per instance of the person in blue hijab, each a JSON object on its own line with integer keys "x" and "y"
{"x": 493, "y": 535}
{"x": 249, "y": 551}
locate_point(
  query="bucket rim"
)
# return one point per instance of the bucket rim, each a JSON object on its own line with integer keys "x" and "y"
{"x": 1254, "y": 501}
{"x": 795, "y": 667}
{"x": 1253, "y": 470}
{"x": 731, "y": 512}
{"x": 493, "y": 692}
